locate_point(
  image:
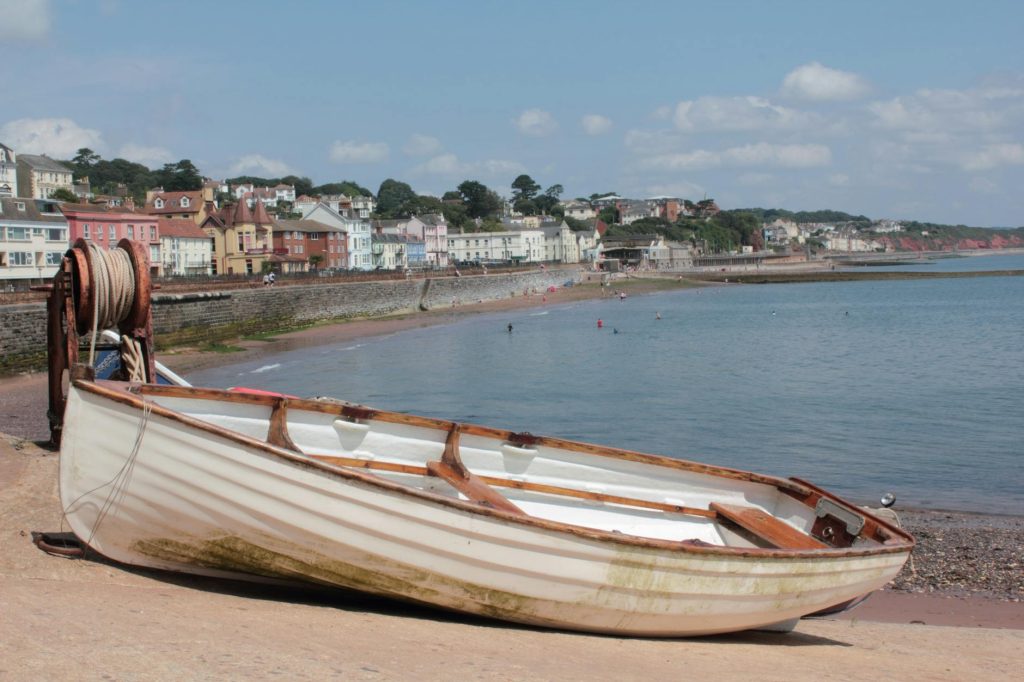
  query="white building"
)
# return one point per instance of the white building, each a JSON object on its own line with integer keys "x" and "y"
{"x": 8, "y": 172}
{"x": 360, "y": 248}
{"x": 519, "y": 246}
{"x": 33, "y": 239}
{"x": 184, "y": 248}
{"x": 580, "y": 210}
{"x": 41, "y": 176}
{"x": 560, "y": 243}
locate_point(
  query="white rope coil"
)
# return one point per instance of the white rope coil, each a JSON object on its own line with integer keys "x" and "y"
{"x": 113, "y": 289}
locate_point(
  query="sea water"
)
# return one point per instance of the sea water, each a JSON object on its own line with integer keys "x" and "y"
{"x": 912, "y": 386}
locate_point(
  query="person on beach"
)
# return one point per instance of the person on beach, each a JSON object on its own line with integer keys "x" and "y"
{"x": 273, "y": 278}
{"x": 266, "y": 280}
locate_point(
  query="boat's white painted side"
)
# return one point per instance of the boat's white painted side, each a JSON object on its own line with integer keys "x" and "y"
{"x": 196, "y": 502}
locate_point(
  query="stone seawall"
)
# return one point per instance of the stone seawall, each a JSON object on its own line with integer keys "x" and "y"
{"x": 182, "y": 319}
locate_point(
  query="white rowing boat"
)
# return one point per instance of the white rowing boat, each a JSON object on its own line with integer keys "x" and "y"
{"x": 523, "y": 528}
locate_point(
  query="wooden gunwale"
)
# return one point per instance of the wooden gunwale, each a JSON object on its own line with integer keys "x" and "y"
{"x": 131, "y": 395}
{"x": 361, "y": 412}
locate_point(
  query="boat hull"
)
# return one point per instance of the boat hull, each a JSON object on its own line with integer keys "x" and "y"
{"x": 149, "y": 490}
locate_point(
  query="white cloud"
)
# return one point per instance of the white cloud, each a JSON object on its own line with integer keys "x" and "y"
{"x": 257, "y": 164}
{"x": 350, "y": 151}
{"x": 652, "y": 141}
{"x": 536, "y": 123}
{"x": 662, "y": 113}
{"x": 993, "y": 155}
{"x": 706, "y": 114}
{"x": 450, "y": 164}
{"x": 839, "y": 180}
{"x": 147, "y": 156}
{"x": 596, "y": 124}
{"x": 817, "y": 82}
{"x": 760, "y": 154}
{"x": 56, "y": 137}
{"x": 24, "y": 19}
{"x": 422, "y": 145}
{"x": 785, "y": 155}
{"x": 980, "y": 110}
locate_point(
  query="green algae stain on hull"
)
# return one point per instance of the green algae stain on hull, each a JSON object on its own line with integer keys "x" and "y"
{"x": 370, "y": 574}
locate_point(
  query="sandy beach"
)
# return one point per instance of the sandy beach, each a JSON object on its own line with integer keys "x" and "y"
{"x": 954, "y": 612}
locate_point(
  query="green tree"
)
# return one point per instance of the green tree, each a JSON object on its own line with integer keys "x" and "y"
{"x": 391, "y": 195}
{"x": 179, "y": 177}
{"x": 302, "y": 184}
{"x": 479, "y": 200}
{"x": 63, "y": 194}
{"x": 346, "y": 187}
{"x": 524, "y": 188}
{"x": 85, "y": 159}
{"x": 315, "y": 260}
{"x": 608, "y": 215}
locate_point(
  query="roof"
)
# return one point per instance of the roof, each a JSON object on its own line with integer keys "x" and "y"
{"x": 180, "y": 227}
{"x": 259, "y": 214}
{"x": 305, "y": 226}
{"x": 115, "y": 211}
{"x": 432, "y": 219}
{"x": 43, "y": 163}
{"x": 395, "y": 239}
{"x": 172, "y": 202}
{"x": 9, "y": 211}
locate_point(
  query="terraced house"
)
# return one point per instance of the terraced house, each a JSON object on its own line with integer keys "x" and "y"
{"x": 33, "y": 239}
{"x": 39, "y": 176}
{"x": 106, "y": 226}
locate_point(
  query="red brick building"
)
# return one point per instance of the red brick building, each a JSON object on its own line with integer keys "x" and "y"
{"x": 308, "y": 238}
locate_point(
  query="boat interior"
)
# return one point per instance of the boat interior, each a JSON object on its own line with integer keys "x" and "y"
{"x": 519, "y": 474}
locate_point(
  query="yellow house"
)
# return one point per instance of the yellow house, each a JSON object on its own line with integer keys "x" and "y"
{"x": 242, "y": 239}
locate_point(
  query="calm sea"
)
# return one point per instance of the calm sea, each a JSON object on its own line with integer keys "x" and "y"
{"x": 913, "y": 387}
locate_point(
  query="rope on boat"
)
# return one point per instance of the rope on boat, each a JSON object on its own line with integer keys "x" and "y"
{"x": 113, "y": 280}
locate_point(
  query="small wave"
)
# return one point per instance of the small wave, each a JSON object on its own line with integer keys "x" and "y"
{"x": 266, "y": 368}
{"x": 358, "y": 345}
{"x": 543, "y": 312}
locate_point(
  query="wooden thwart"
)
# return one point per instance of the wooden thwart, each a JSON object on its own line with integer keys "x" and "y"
{"x": 529, "y": 486}
{"x": 766, "y": 527}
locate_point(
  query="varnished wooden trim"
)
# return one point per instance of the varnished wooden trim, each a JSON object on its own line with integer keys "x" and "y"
{"x": 766, "y": 527}
{"x": 277, "y": 431}
{"x": 515, "y": 438}
{"x": 118, "y": 392}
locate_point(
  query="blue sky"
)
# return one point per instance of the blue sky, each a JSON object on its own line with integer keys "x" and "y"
{"x": 891, "y": 109}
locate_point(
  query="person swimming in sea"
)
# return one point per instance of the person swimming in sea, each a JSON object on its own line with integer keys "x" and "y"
{"x": 509, "y": 327}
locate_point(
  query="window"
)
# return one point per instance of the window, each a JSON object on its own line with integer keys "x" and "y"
{"x": 21, "y": 258}
{"x": 159, "y": 203}
{"x": 20, "y": 205}
{"x": 112, "y": 231}
{"x": 53, "y": 257}
{"x": 184, "y": 202}
{"x": 131, "y": 232}
{"x": 152, "y": 233}
{"x": 15, "y": 234}
{"x": 55, "y": 234}
{"x": 85, "y": 230}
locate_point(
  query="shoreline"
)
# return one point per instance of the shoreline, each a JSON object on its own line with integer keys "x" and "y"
{"x": 967, "y": 567}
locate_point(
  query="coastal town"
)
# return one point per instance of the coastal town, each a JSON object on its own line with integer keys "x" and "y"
{"x": 223, "y": 228}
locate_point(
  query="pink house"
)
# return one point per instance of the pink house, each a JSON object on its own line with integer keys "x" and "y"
{"x": 106, "y": 226}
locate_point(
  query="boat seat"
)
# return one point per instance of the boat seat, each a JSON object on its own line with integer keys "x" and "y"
{"x": 765, "y": 527}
